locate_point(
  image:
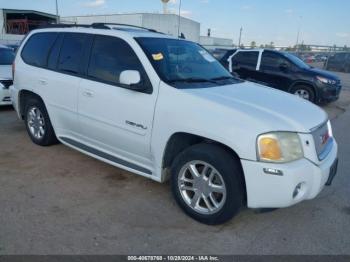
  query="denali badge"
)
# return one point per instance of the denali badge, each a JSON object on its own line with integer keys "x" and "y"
{"x": 135, "y": 125}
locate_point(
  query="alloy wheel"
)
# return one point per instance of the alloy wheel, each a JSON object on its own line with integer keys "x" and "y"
{"x": 202, "y": 187}
{"x": 36, "y": 122}
{"x": 302, "y": 93}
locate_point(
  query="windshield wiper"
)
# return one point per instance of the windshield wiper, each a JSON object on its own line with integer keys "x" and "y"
{"x": 192, "y": 80}
{"x": 222, "y": 78}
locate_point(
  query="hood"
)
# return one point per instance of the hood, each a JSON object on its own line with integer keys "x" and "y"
{"x": 269, "y": 109}
{"x": 6, "y": 72}
{"x": 323, "y": 73}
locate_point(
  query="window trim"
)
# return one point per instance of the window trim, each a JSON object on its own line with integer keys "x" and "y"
{"x": 229, "y": 59}
{"x": 278, "y": 55}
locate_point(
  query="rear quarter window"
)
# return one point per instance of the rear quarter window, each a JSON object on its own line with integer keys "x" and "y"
{"x": 37, "y": 48}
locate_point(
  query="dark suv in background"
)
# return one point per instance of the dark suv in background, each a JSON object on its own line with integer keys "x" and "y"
{"x": 339, "y": 62}
{"x": 283, "y": 71}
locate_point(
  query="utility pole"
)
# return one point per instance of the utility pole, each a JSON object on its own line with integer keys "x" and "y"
{"x": 57, "y": 17}
{"x": 178, "y": 29}
{"x": 240, "y": 37}
{"x": 298, "y": 34}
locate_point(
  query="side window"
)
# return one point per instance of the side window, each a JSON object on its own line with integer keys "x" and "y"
{"x": 246, "y": 59}
{"x": 37, "y": 48}
{"x": 71, "y": 52}
{"x": 271, "y": 60}
{"x": 109, "y": 57}
{"x": 55, "y": 51}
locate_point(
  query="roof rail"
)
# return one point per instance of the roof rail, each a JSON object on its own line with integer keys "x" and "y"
{"x": 61, "y": 26}
{"x": 105, "y": 26}
{"x": 97, "y": 26}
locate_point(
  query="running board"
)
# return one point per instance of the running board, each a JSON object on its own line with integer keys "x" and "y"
{"x": 105, "y": 155}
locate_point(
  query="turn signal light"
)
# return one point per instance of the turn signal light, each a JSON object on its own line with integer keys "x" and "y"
{"x": 269, "y": 149}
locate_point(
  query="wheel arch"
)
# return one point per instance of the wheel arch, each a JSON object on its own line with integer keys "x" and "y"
{"x": 179, "y": 141}
{"x": 23, "y": 95}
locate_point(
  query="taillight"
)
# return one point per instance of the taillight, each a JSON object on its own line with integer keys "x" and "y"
{"x": 13, "y": 70}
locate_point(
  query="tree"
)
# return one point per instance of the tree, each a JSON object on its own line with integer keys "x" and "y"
{"x": 271, "y": 45}
{"x": 252, "y": 44}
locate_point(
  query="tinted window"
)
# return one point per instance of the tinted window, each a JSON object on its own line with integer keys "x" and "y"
{"x": 271, "y": 60}
{"x": 296, "y": 61}
{"x": 6, "y": 56}
{"x": 37, "y": 48}
{"x": 109, "y": 57}
{"x": 71, "y": 52}
{"x": 55, "y": 51}
{"x": 245, "y": 59}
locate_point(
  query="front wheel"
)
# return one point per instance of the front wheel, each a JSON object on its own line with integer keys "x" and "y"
{"x": 304, "y": 92}
{"x": 207, "y": 183}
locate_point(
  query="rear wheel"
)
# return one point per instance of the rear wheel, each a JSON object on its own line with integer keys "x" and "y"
{"x": 38, "y": 123}
{"x": 305, "y": 92}
{"x": 207, "y": 183}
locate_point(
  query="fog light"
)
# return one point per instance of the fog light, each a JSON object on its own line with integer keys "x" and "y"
{"x": 299, "y": 190}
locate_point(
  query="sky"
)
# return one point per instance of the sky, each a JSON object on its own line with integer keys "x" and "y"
{"x": 322, "y": 22}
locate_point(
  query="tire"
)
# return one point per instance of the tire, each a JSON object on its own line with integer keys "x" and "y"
{"x": 36, "y": 116}
{"x": 224, "y": 173}
{"x": 305, "y": 92}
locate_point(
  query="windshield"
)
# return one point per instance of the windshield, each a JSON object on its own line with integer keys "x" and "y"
{"x": 180, "y": 62}
{"x": 6, "y": 56}
{"x": 297, "y": 61}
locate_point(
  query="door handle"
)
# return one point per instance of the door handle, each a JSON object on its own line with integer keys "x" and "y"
{"x": 88, "y": 93}
{"x": 43, "y": 81}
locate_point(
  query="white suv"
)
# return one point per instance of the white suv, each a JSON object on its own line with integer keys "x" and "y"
{"x": 164, "y": 107}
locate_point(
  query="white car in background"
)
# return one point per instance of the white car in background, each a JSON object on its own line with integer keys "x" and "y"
{"x": 7, "y": 56}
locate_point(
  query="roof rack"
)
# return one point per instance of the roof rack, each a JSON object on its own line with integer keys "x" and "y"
{"x": 105, "y": 26}
{"x": 97, "y": 26}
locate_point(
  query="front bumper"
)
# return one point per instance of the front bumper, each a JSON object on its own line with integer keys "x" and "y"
{"x": 329, "y": 93}
{"x": 276, "y": 191}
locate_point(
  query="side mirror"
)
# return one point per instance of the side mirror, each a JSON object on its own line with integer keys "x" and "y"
{"x": 130, "y": 77}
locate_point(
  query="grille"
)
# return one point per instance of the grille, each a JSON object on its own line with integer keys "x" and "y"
{"x": 6, "y": 83}
{"x": 323, "y": 142}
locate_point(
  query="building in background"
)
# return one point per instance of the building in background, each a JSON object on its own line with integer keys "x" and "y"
{"x": 215, "y": 42}
{"x": 165, "y": 23}
{"x": 15, "y": 24}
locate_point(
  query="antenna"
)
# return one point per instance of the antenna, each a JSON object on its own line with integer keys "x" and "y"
{"x": 165, "y": 6}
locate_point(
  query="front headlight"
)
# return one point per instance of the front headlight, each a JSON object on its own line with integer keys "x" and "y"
{"x": 326, "y": 80}
{"x": 279, "y": 147}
